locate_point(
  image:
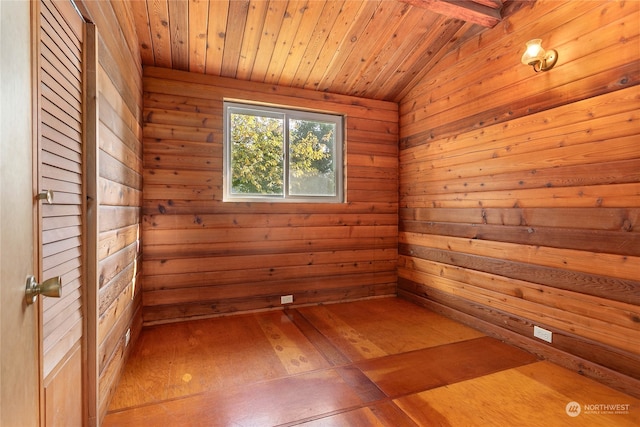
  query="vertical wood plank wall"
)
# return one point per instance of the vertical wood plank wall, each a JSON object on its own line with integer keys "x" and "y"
{"x": 203, "y": 257}
{"x": 120, "y": 187}
{"x": 520, "y": 192}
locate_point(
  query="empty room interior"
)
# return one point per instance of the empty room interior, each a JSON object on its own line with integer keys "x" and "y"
{"x": 333, "y": 213}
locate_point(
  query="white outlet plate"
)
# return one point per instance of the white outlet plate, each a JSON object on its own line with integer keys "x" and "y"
{"x": 286, "y": 299}
{"x": 542, "y": 333}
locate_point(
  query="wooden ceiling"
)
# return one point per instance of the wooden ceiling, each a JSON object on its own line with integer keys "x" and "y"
{"x": 369, "y": 48}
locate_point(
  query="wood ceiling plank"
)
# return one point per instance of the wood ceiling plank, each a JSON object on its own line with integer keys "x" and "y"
{"x": 440, "y": 38}
{"x": 198, "y": 27}
{"x": 143, "y": 30}
{"x": 286, "y": 37}
{"x": 413, "y": 46}
{"x": 236, "y": 22}
{"x": 338, "y": 31}
{"x": 272, "y": 24}
{"x": 465, "y": 10}
{"x": 314, "y": 46}
{"x": 389, "y": 41}
{"x": 179, "y": 33}
{"x": 345, "y": 44}
{"x": 159, "y": 23}
{"x": 252, "y": 34}
{"x": 216, "y": 36}
{"x": 375, "y": 32}
{"x": 312, "y": 13}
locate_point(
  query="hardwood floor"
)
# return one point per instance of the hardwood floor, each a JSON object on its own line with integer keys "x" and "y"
{"x": 379, "y": 362}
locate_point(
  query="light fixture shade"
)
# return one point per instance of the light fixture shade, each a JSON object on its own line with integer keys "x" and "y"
{"x": 534, "y": 53}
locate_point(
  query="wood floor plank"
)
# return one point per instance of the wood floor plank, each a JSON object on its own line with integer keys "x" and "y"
{"x": 358, "y": 417}
{"x": 360, "y": 383}
{"x": 176, "y": 360}
{"x": 322, "y": 344}
{"x": 380, "y": 327}
{"x": 532, "y": 395}
{"x": 355, "y": 344}
{"x": 268, "y": 403}
{"x": 391, "y": 415}
{"x": 437, "y": 366}
{"x": 296, "y": 354}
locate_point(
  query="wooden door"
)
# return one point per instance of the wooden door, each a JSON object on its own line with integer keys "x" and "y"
{"x": 19, "y": 385}
{"x": 60, "y": 35}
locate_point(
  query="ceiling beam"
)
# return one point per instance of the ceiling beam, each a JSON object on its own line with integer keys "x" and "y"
{"x": 476, "y": 12}
{"x": 493, "y": 4}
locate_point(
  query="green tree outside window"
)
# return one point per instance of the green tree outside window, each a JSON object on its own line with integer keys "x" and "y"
{"x": 275, "y": 154}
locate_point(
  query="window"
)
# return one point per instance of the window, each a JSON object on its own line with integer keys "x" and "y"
{"x": 275, "y": 154}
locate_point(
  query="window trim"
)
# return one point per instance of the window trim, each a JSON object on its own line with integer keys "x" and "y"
{"x": 286, "y": 113}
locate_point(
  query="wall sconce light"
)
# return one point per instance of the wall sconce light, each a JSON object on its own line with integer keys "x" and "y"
{"x": 538, "y": 58}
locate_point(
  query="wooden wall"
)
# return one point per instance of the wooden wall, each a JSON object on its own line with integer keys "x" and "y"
{"x": 119, "y": 189}
{"x": 520, "y": 192}
{"x": 203, "y": 257}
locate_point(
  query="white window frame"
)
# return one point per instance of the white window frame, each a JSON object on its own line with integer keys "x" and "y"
{"x": 287, "y": 114}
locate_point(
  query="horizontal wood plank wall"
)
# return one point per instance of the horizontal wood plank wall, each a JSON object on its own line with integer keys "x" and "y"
{"x": 203, "y": 257}
{"x": 119, "y": 82}
{"x": 520, "y": 192}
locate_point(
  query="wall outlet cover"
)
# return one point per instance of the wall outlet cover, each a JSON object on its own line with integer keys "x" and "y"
{"x": 286, "y": 299}
{"x": 542, "y": 333}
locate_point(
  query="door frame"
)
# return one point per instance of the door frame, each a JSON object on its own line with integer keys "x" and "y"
{"x": 91, "y": 228}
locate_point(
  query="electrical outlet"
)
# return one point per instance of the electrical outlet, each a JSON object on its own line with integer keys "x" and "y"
{"x": 542, "y": 333}
{"x": 286, "y": 299}
{"x": 127, "y": 337}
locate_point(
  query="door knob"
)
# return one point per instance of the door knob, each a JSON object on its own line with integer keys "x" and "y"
{"x": 50, "y": 287}
{"x": 46, "y": 195}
